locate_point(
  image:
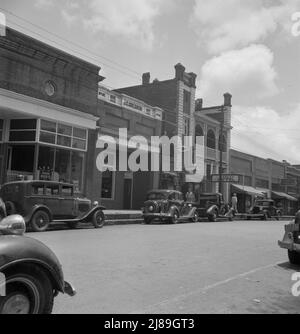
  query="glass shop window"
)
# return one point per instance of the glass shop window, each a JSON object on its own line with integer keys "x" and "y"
{"x": 63, "y": 166}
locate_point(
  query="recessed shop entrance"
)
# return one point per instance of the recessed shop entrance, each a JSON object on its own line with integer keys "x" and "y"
{"x": 20, "y": 161}
{"x": 128, "y": 185}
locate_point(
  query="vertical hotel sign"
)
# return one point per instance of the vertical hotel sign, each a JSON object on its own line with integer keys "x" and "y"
{"x": 2, "y": 25}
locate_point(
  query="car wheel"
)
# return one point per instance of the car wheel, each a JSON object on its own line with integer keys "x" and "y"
{"x": 40, "y": 221}
{"x": 10, "y": 208}
{"x": 213, "y": 218}
{"x": 27, "y": 292}
{"x": 264, "y": 217}
{"x": 148, "y": 221}
{"x": 174, "y": 218}
{"x": 294, "y": 257}
{"x": 98, "y": 219}
{"x": 195, "y": 218}
{"x": 73, "y": 225}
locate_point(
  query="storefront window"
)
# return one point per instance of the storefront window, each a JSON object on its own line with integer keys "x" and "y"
{"x": 22, "y": 130}
{"x": 63, "y": 165}
{"x": 63, "y": 135}
{"x": 108, "y": 185}
{"x": 46, "y": 163}
{"x": 77, "y": 169}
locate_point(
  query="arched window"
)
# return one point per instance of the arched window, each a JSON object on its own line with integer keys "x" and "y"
{"x": 211, "y": 140}
{"x": 198, "y": 132}
{"x": 223, "y": 144}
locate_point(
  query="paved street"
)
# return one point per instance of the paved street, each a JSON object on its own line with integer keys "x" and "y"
{"x": 222, "y": 267}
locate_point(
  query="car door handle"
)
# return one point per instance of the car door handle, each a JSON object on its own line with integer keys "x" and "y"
{"x": 61, "y": 198}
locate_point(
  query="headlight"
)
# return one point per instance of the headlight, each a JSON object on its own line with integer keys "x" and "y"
{"x": 13, "y": 225}
{"x": 96, "y": 203}
{"x": 151, "y": 208}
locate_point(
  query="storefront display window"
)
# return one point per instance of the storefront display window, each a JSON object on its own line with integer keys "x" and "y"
{"x": 77, "y": 169}
{"x": 63, "y": 165}
{"x": 63, "y": 135}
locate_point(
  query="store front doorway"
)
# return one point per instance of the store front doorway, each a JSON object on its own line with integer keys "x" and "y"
{"x": 128, "y": 184}
{"x": 20, "y": 162}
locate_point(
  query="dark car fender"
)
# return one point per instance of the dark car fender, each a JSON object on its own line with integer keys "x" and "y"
{"x": 174, "y": 208}
{"x": 90, "y": 214}
{"x": 212, "y": 210}
{"x": 19, "y": 250}
{"x": 36, "y": 208}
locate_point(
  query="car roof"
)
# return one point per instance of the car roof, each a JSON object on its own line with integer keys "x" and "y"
{"x": 39, "y": 182}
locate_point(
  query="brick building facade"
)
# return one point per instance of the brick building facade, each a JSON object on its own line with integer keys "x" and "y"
{"x": 183, "y": 117}
{"x": 48, "y": 113}
{"x": 119, "y": 189}
{"x": 264, "y": 178}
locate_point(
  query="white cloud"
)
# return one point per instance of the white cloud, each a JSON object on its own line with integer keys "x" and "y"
{"x": 247, "y": 74}
{"x": 44, "y": 4}
{"x": 132, "y": 20}
{"x": 224, "y": 25}
{"x": 264, "y": 132}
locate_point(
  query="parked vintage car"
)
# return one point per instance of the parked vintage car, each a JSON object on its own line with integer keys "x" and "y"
{"x": 266, "y": 209}
{"x": 291, "y": 240}
{"x": 168, "y": 206}
{"x": 32, "y": 272}
{"x": 43, "y": 202}
{"x": 211, "y": 206}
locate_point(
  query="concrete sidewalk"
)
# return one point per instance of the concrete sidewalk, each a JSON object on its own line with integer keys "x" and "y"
{"x": 119, "y": 217}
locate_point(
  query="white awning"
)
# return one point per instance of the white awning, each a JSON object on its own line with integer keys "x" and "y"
{"x": 284, "y": 195}
{"x": 11, "y": 102}
{"x": 248, "y": 190}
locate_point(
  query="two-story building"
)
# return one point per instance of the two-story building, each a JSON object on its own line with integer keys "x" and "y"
{"x": 124, "y": 189}
{"x": 48, "y": 113}
{"x": 183, "y": 117}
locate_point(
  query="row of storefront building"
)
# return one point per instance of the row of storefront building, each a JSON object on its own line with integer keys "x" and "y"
{"x": 54, "y": 106}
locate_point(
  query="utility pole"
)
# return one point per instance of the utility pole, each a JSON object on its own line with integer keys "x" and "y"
{"x": 221, "y": 146}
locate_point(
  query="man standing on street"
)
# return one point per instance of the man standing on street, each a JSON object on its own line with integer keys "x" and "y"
{"x": 234, "y": 203}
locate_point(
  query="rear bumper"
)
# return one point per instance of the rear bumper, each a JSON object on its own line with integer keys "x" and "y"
{"x": 289, "y": 245}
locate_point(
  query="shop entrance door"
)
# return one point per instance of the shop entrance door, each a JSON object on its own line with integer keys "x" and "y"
{"x": 127, "y": 194}
{"x": 20, "y": 162}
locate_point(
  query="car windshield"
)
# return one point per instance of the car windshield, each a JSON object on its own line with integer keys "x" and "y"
{"x": 204, "y": 199}
{"x": 156, "y": 196}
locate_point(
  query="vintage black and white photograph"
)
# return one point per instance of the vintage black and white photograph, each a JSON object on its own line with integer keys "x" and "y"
{"x": 149, "y": 159}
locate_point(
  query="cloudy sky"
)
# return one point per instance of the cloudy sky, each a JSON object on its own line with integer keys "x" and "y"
{"x": 245, "y": 47}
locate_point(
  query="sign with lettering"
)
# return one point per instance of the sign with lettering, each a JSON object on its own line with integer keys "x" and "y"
{"x": 226, "y": 178}
{"x": 289, "y": 182}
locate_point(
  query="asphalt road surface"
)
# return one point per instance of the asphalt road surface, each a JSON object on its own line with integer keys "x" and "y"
{"x": 226, "y": 267}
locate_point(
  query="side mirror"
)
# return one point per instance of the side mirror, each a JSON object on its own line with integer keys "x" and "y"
{"x": 13, "y": 225}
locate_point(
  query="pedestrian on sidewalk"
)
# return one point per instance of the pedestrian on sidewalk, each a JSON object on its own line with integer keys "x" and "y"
{"x": 234, "y": 203}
